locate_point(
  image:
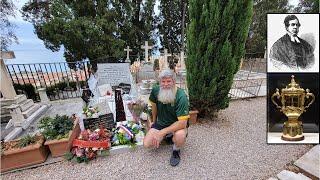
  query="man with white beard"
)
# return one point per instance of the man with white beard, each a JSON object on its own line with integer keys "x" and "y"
{"x": 170, "y": 114}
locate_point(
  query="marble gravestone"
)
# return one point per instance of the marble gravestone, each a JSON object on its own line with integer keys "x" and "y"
{"x": 114, "y": 73}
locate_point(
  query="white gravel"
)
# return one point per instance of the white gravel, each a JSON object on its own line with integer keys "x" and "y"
{"x": 233, "y": 146}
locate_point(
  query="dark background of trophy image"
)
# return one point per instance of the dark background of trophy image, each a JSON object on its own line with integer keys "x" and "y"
{"x": 310, "y": 118}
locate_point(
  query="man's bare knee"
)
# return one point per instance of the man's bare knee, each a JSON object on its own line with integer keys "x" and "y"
{"x": 179, "y": 137}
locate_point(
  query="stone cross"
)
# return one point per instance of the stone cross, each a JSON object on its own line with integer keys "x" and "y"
{"x": 128, "y": 53}
{"x": 7, "y": 89}
{"x": 146, "y": 48}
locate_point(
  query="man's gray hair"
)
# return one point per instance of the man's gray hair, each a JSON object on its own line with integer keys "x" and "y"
{"x": 167, "y": 73}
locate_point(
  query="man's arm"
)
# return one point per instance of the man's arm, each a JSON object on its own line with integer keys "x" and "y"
{"x": 154, "y": 112}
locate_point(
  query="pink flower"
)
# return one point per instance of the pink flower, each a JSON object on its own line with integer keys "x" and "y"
{"x": 79, "y": 152}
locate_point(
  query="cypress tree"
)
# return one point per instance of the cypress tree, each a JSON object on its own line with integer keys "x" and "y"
{"x": 215, "y": 44}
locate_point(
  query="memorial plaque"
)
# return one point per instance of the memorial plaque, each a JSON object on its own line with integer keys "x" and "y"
{"x": 93, "y": 123}
{"x": 113, "y": 73}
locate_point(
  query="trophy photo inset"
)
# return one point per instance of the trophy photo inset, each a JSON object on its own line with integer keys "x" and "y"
{"x": 293, "y": 100}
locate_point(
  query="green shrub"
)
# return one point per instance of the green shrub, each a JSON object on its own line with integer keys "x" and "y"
{"x": 55, "y": 128}
{"x": 28, "y": 89}
{"x": 216, "y": 42}
{"x": 52, "y": 90}
{"x": 26, "y": 141}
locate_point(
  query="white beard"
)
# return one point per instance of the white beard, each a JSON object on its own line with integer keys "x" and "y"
{"x": 167, "y": 96}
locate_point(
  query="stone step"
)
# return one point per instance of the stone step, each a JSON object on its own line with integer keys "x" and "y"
{"x": 26, "y": 104}
{"x": 5, "y": 118}
{"x": 4, "y": 110}
{"x": 16, "y": 100}
{"x": 31, "y": 110}
{"x": 39, "y": 112}
{"x": 13, "y": 134}
{"x": 288, "y": 175}
{"x": 310, "y": 162}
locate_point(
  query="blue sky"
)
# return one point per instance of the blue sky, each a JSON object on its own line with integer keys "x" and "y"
{"x": 31, "y": 49}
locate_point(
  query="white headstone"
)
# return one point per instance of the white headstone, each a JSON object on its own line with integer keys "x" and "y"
{"x": 113, "y": 73}
{"x": 146, "y": 48}
{"x": 105, "y": 90}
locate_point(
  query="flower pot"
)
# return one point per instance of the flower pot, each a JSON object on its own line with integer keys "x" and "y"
{"x": 193, "y": 116}
{"x": 26, "y": 156}
{"x": 60, "y": 147}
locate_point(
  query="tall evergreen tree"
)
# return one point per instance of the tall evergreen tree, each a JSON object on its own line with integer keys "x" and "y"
{"x": 170, "y": 24}
{"x": 136, "y": 23}
{"x": 86, "y": 29}
{"x": 216, "y": 42}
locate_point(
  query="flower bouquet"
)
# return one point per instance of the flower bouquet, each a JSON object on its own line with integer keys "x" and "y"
{"x": 130, "y": 134}
{"x": 90, "y": 112}
{"x": 89, "y": 145}
{"x": 136, "y": 108}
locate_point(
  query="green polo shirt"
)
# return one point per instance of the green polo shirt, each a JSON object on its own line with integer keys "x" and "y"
{"x": 167, "y": 114}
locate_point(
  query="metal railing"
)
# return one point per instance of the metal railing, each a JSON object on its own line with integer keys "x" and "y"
{"x": 62, "y": 80}
{"x": 250, "y": 80}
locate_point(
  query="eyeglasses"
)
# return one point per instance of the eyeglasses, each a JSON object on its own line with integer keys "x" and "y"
{"x": 295, "y": 24}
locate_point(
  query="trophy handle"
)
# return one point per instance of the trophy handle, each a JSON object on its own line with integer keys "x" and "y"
{"x": 307, "y": 96}
{"x": 276, "y": 94}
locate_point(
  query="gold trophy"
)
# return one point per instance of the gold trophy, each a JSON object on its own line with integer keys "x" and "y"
{"x": 292, "y": 100}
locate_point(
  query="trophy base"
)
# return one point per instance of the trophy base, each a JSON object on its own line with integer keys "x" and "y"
{"x": 290, "y": 138}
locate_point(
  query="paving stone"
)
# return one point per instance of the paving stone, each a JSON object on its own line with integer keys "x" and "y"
{"x": 310, "y": 162}
{"x": 288, "y": 175}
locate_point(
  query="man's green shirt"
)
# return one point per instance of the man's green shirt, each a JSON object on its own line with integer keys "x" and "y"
{"x": 167, "y": 114}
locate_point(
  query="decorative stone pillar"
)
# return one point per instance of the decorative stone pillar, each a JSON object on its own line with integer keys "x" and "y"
{"x": 43, "y": 95}
{"x": 6, "y": 87}
{"x": 16, "y": 114}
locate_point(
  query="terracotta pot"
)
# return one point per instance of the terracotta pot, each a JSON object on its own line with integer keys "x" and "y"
{"x": 30, "y": 155}
{"x": 193, "y": 116}
{"x": 60, "y": 147}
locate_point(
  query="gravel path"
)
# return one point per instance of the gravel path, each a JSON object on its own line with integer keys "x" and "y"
{"x": 233, "y": 146}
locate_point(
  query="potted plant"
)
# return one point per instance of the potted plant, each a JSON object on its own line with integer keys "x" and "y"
{"x": 193, "y": 116}
{"x": 28, "y": 150}
{"x": 58, "y": 133}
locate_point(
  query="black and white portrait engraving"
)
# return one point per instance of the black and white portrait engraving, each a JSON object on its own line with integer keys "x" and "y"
{"x": 294, "y": 51}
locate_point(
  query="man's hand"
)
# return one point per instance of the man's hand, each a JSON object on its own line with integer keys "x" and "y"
{"x": 157, "y": 138}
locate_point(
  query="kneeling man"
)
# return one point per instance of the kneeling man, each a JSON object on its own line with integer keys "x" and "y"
{"x": 170, "y": 114}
